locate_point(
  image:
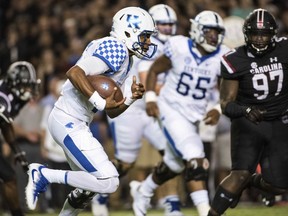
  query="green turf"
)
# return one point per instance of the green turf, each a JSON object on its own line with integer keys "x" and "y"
{"x": 243, "y": 210}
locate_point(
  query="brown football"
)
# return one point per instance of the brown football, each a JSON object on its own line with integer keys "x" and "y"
{"x": 105, "y": 86}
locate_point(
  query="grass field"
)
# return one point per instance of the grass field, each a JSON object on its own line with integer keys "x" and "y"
{"x": 242, "y": 210}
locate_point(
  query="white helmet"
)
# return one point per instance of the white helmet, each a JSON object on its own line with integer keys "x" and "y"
{"x": 205, "y": 20}
{"x": 164, "y": 14}
{"x": 129, "y": 24}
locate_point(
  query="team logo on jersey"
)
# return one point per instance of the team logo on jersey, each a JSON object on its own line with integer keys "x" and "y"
{"x": 254, "y": 65}
{"x": 133, "y": 21}
{"x": 273, "y": 59}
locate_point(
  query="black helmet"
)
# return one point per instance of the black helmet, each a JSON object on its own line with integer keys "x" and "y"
{"x": 21, "y": 78}
{"x": 260, "y": 22}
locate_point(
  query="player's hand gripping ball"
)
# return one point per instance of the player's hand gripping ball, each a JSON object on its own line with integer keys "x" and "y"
{"x": 105, "y": 86}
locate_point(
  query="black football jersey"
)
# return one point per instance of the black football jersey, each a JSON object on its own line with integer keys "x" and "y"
{"x": 10, "y": 104}
{"x": 263, "y": 81}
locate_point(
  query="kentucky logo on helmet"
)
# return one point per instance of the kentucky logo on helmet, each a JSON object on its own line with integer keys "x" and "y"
{"x": 133, "y": 21}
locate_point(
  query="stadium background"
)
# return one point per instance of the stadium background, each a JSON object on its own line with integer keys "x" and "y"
{"x": 52, "y": 34}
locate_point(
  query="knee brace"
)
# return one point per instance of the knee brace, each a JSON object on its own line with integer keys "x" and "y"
{"x": 79, "y": 198}
{"x": 163, "y": 173}
{"x": 122, "y": 167}
{"x": 197, "y": 169}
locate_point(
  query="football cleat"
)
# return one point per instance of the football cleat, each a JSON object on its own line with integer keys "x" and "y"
{"x": 37, "y": 184}
{"x": 172, "y": 207}
{"x": 268, "y": 199}
{"x": 99, "y": 205}
{"x": 140, "y": 202}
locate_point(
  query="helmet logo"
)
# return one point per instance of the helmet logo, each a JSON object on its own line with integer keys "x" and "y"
{"x": 133, "y": 21}
{"x": 260, "y": 19}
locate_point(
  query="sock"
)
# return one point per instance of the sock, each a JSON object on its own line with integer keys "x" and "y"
{"x": 75, "y": 179}
{"x": 222, "y": 200}
{"x": 201, "y": 201}
{"x": 54, "y": 176}
{"x": 148, "y": 186}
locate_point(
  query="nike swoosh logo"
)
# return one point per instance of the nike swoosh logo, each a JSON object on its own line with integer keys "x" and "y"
{"x": 33, "y": 171}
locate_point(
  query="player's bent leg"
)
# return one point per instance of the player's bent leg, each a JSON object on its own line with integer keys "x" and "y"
{"x": 168, "y": 197}
{"x": 142, "y": 192}
{"x": 9, "y": 192}
{"x": 196, "y": 175}
{"x": 100, "y": 201}
{"x": 228, "y": 191}
{"x": 162, "y": 173}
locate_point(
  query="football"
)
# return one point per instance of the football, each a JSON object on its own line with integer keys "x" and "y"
{"x": 105, "y": 86}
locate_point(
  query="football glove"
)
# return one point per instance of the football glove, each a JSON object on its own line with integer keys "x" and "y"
{"x": 254, "y": 114}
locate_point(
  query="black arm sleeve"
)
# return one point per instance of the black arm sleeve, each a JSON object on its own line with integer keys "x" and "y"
{"x": 234, "y": 110}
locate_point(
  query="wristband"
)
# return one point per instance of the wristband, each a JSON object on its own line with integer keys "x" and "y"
{"x": 97, "y": 101}
{"x": 218, "y": 108}
{"x": 129, "y": 100}
{"x": 150, "y": 96}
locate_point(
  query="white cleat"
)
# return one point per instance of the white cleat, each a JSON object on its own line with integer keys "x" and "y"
{"x": 99, "y": 205}
{"x": 37, "y": 184}
{"x": 172, "y": 207}
{"x": 140, "y": 202}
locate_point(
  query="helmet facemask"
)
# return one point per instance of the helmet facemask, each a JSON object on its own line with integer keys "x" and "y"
{"x": 144, "y": 48}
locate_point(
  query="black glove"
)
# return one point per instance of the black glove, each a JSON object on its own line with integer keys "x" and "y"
{"x": 21, "y": 159}
{"x": 254, "y": 114}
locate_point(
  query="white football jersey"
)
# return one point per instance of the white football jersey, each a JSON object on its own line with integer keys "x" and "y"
{"x": 192, "y": 77}
{"x": 106, "y": 56}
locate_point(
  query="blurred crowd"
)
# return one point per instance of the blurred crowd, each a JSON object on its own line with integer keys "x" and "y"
{"x": 52, "y": 34}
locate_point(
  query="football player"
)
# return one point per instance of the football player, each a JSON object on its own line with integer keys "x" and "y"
{"x": 16, "y": 89}
{"x": 68, "y": 123}
{"x": 128, "y": 133}
{"x": 194, "y": 67}
{"x": 254, "y": 95}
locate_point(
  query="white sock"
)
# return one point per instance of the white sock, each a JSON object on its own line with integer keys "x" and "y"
{"x": 201, "y": 201}
{"x": 54, "y": 176}
{"x": 148, "y": 186}
{"x": 75, "y": 179}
